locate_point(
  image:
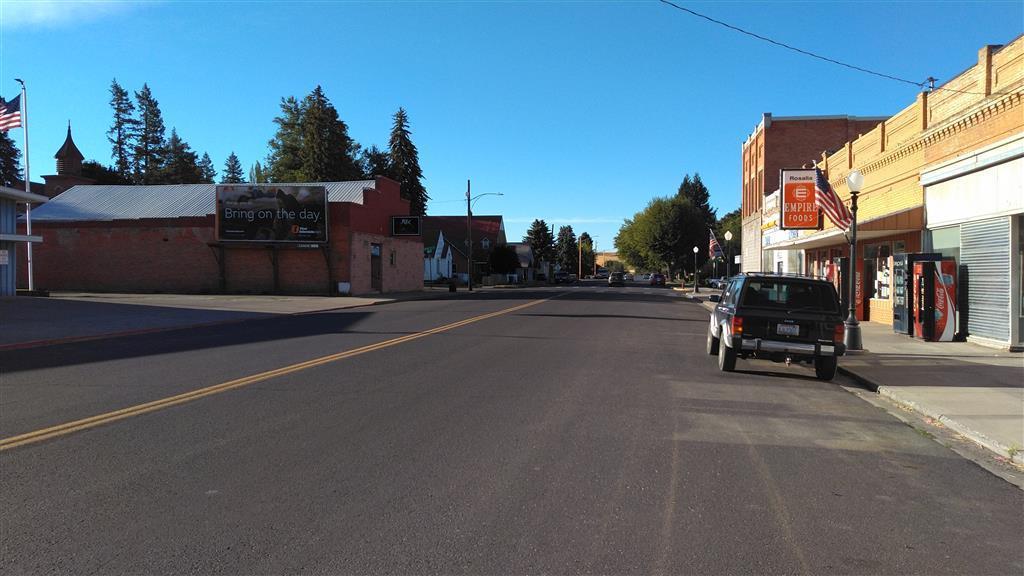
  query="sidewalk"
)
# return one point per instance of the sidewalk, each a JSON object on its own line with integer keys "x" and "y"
{"x": 27, "y": 322}
{"x": 976, "y": 391}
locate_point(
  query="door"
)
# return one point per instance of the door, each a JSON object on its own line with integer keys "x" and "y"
{"x": 375, "y": 268}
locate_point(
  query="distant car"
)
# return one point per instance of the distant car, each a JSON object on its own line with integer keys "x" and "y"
{"x": 646, "y": 277}
{"x": 601, "y": 274}
{"x": 627, "y": 277}
{"x": 657, "y": 280}
{"x": 562, "y": 278}
{"x": 718, "y": 282}
{"x": 778, "y": 318}
{"x": 616, "y": 279}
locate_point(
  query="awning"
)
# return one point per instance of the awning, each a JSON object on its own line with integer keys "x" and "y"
{"x": 900, "y": 223}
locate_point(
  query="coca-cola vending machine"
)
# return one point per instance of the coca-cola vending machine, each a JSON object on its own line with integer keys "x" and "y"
{"x": 935, "y": 300}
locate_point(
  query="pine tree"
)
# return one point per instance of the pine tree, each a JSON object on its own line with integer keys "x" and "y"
{"x": 232, "y": 170}
{"x": 148, "y": 138}
{"x": 122, "y": 131}
{"x": 258, "y": 175}
{"x": 10, "y": 168}
{"x": 700, "y": 198}
{"x": 375, "y": 162}
{"x": 567, "y": 249}
{"x": 326, "y": 150}
{"x": 101, "y": 174}
{"x": 542, "y": 244}
{"x": 587, "y": 252}
{"x": 207, "y": 173}
{"x": 180, "y": 165}
{"x": 285, "y": 161}
{"x": 405, "y": 165}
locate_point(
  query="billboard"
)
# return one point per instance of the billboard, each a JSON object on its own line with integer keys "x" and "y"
{"x": 797, "y": 207}
{"x": 271, "y": 213}
{"x": 405, "y": 225}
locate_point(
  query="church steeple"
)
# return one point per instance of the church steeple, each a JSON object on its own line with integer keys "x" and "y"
{"x": 69, "y": 159}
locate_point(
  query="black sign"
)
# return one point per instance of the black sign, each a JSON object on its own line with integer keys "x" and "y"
{"x": 405, "y": 225}
{"x": 269, "y": 213}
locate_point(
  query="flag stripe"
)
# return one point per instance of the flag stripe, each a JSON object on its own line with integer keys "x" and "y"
{"x": 829, "y": 202}
{"x": 10, "y": 113}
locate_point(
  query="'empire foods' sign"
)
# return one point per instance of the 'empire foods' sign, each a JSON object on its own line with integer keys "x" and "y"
{"x": 269, "y": 213}
{"x": 797, "y": 208}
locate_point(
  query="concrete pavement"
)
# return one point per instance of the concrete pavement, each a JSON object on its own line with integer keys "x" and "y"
{"x": 971, "y": 389}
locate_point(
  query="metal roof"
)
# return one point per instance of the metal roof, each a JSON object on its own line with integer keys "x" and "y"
{"x": 109, "y": 202}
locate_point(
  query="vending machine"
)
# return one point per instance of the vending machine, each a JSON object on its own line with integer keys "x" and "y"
{"x": 935, "y": 303}
{"x": 902, "y": 289}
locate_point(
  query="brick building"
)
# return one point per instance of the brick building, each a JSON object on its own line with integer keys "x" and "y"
{"x": 777, "y": 143}
{"x": 162, "y": 239}
{"x": 945, "y": 174}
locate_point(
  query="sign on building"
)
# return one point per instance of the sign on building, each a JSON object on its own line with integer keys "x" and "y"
{"x": 405, "y": 225}
{"x": 271, "y": 213}
{"x": 797, "y": 208}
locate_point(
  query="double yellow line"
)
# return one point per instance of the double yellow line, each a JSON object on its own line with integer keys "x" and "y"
{"x": 101, "y": 419}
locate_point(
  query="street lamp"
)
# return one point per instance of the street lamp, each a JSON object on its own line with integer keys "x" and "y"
{"x": 852, "y": 337}
{"x": 469, "y": 230}
{"x": 696, "y": 285}
{"x": 728, "y": 256}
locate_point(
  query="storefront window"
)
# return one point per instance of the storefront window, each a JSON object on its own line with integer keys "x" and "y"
{"x": 878, "y": 265}
{"x": 946, "y": 241}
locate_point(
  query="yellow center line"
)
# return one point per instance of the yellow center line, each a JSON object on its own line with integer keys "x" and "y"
{"x": 100, "y": 419}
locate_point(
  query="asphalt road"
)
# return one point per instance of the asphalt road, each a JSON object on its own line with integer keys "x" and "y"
{"x": 583, "y": 430}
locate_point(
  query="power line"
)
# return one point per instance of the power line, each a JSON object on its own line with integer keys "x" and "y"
{"x": 930, "y": 80}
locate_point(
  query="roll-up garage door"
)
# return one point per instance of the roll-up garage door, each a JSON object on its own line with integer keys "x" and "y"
{"x": 985, "y": 250}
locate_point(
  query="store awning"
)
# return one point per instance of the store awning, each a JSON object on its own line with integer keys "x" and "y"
{"x": 900, "y": 223}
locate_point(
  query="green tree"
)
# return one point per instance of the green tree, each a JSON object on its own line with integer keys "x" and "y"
{"x": 541, "y": 242}
{"x": 663, "y": 236}
{"x": 232, "y": 170}
{"x": 180, "y": 163}
{"x": 328, "y": 153}
{"x": 123, "y": 130}
{"x": 503, "y": 259}
{"x": 375, "y": 162}
{"x": 731, "y": 222}
{"x": 148, "y": 140}
{"x": 284, "y": 164}
{"x": 567, "y": 250}
{"x": 587, "y": 253}
{"x": 258, "y": 175}
{"x": 405, "y": 164}
{"x": 699, "y": 196}
{"x": 10, "y": 156}
{"x": 103, "y": 174}
{"x": 207, "y": 174}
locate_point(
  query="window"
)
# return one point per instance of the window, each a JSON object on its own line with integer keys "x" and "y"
{"x": 946, "y": 241}
{"x": 790, "y": 295}
{"x": 486, "y": 243}
{"x": 878, "y": 266}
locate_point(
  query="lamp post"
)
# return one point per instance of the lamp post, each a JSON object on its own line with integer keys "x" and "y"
{"x": 728, "y": 254}
{"x": 696, "y": 284}
{"x": 852, "y": 337}
{"x": 469, "y": 230}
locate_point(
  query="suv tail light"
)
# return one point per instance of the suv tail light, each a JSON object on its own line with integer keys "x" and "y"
{"x": 737, "y": 325}
{"x": 838, "y": 332}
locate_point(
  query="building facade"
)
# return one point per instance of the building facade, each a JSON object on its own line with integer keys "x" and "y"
{"x": 944, "y": 175}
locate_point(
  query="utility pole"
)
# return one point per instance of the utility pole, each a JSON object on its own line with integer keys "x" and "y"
{"x": 469, "y": 238}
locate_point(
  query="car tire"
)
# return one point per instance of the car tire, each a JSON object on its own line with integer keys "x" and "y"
{"x": 726, "y": 358}
{"x": 825, "y": 367}
{"x": 713, "y": 344}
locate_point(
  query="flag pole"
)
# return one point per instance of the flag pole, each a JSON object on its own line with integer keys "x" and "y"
{"x": 28, "y": 183}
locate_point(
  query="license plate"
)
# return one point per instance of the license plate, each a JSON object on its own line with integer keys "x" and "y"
{"x": 788, "y": 329}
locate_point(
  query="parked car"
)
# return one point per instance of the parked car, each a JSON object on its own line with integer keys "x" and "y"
{"x": 718, "y": 282}
{"x": 562, "y": 278}
{"x": 646, "y": 277}
{"x": 627, "y": 277}
{"x": 657, "y": 280}
{"x": 616, "y": 279}
{"x": 782, "y": 318}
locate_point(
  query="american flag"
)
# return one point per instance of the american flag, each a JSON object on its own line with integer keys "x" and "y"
{"x": 714, "y": 248}
{"x": 829, "y": 202}
{"x": 10, "y": 113}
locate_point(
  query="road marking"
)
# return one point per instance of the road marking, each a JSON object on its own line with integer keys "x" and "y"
{"x": 100, "y": 419}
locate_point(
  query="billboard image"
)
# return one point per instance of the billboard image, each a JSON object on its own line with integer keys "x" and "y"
{"x": 271, "y": 213}
{"x": 797, "y": 207}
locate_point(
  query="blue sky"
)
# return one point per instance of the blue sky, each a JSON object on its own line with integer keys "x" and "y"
{"x": 578, "y": 112}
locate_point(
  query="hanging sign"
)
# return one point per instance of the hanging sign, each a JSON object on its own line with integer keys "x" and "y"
{"x": 797, "y": 208}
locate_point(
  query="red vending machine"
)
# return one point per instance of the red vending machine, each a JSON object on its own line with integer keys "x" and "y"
{"x": 935, "y": 300}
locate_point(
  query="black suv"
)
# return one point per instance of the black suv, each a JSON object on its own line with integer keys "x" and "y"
{"x": 777, "y": 317}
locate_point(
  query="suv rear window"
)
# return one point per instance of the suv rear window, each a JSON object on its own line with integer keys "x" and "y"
{"x": 789, "y": 295}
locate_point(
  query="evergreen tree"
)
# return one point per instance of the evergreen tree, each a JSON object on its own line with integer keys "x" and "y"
{"x": 10, "y": 169}
{"x": 587, "y": 251}
{"x": 567, "y": 250}
{"x": 699, "y": 197}
{"x": 375, "y": 162}
{"x": 180, "y": 165}
{"x": 122, "y": 131}
{"x": 207, "y": 174}
{"x": 103, "y": 174}
{"x": 233, "y": 170}
{"x": 148, "y": 139}
{"x": 258, "y": 175}
{"x": 285, "y": 161}
{"x": 541, "y": 242}
{"x": 405, "y": 165}
{"x": 503, "y": 259}
{"x": 327, "y": 152}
